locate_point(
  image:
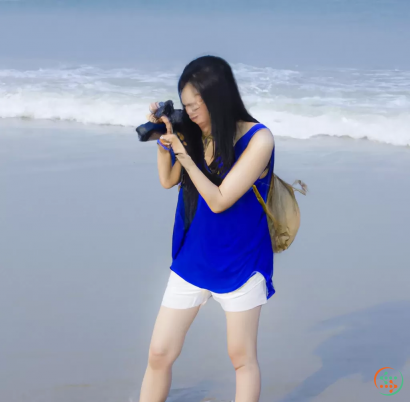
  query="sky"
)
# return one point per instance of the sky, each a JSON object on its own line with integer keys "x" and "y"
{"x": 277, "y": 33}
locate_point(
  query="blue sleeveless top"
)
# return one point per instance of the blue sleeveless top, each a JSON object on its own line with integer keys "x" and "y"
{"x": 221, "y": 251}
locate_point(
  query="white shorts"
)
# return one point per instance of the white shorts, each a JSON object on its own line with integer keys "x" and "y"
{"x": 180, "y": 294}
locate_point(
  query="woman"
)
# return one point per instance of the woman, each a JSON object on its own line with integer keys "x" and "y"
{"x": 221, "y": 244}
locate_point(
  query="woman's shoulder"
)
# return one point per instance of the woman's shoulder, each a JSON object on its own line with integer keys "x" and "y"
{"x": 263, "y": 135}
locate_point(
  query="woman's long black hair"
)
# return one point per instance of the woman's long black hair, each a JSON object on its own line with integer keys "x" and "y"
{"x": 213, "y": 78}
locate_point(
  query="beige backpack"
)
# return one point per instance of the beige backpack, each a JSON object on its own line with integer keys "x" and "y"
{"x": 282, "y": 211}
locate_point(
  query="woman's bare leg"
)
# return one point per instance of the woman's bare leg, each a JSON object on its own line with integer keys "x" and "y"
{"x": 166, "y": 344}
{"x": 242, "y": 339}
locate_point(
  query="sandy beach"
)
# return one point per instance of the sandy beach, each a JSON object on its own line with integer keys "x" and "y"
{"x": 85, "y": 249}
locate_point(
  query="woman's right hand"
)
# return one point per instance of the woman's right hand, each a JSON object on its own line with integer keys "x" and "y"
{"x": 153, "y": 107}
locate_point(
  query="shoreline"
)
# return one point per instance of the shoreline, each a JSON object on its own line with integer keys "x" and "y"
{"x": 27, "y": 123}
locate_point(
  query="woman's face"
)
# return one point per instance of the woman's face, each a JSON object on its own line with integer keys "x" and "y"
{"x": 195, "y": 106}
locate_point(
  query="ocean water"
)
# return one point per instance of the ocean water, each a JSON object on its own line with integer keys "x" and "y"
{"x": 372, "y": 104}
{"x": 305, "y": 68}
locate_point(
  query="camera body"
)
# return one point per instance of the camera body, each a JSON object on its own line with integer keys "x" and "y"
{"x": 167, "y": 109}
{"x": 152, "y": 131}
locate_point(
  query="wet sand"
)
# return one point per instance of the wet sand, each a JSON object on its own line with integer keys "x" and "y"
{"x": 85, "y": 249}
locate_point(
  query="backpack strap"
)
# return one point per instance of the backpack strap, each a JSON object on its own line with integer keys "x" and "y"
{"x": 303, "y": 187}
{"x": 262, "y": 202}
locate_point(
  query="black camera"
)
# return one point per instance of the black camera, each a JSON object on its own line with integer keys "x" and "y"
{"x": 167, "y": 109}
{"x": 152, "y": 131}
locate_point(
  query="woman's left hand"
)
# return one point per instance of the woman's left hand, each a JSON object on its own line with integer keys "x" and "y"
{"x": 171, "y": 140}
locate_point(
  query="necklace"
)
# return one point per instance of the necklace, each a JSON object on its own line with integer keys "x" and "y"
{"x": 206, "y": 139}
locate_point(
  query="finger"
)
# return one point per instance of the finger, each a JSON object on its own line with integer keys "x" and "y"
{"x": 152, "y": 118}
{"x": 164, "y": 141}
{"x": 153, "y": 107}
{"x": 168, "y": 124}
{"x": 167, "y": 138}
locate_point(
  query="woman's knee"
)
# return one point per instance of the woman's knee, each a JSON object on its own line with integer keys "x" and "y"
{"x": 162, "y": 356}
{"x": 242, "y": 356}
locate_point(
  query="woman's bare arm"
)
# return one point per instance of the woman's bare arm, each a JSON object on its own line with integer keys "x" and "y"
{"x": 169, "y": 175}
{"x": 240, "y": 178}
